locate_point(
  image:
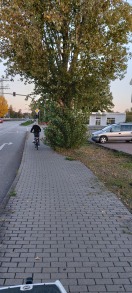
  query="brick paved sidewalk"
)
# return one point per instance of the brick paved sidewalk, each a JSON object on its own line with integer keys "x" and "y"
{"x": 63, "y": 224}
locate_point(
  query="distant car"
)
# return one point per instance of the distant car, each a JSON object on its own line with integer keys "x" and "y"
{"x": 114, "y": 132}
{"x": 1, "y": 120}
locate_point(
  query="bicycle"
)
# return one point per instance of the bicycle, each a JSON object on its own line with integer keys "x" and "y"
{"x": 36, "y": 142}
{"x": 53, "y": 287}
{"x": 36, "y": 130}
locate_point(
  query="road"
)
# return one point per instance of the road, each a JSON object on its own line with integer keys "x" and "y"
{"x": 12, "y": 138}
{"x": 119, "y": 146}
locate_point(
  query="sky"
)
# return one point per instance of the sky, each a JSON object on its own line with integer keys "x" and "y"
{"x": 122, "y": 91}
{"x": 17, "y": 102}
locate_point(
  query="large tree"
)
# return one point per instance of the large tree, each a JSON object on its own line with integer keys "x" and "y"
{"x": 70, "y": 49}
{"x": 3, "y": 106}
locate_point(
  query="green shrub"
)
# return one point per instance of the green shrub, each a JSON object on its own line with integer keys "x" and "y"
{"x": 66, "y": 129}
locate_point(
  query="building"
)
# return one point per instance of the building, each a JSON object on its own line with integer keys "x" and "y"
{"x": 105, "y": 118}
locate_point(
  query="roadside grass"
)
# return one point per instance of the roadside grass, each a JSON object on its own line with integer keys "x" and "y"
{"x": 113, "y": 168}
{"x": 69, "y": 159}
{"x": 13, "y": 193}
{"x": 26, "y": 123}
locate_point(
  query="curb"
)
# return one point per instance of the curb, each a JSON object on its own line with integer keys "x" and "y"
{"x": 13, "y": 185}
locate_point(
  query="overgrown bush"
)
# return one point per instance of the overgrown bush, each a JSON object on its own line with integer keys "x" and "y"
{"x": 129, "y": 116}
{"x": 66, "y": 129}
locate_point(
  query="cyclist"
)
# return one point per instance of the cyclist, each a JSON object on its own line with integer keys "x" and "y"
{"x": 36, "y": 130}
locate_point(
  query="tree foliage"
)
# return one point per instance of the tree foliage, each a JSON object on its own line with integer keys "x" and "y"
{"x": 15, "y": 114}
{"x": 70, "y": 49}
{"x": 3, "y": 106}
{"x": 129, "y": 115}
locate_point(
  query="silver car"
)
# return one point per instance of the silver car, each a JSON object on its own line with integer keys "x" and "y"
{"x": 114, "y": 132}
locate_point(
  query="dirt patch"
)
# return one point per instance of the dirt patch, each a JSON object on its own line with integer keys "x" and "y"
{"x": 113, "y": 168}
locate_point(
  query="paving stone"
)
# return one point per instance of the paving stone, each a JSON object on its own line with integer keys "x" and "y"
{"x": 64, "y": 224}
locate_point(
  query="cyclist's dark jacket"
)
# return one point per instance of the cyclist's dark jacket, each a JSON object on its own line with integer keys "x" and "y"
{"x": 36, "y": 129}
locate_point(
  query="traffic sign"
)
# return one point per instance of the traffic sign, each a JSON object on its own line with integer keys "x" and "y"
{"x": 37, "y": 111}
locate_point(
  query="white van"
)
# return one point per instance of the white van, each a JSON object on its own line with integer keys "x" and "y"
{"x": 114, "y": 132}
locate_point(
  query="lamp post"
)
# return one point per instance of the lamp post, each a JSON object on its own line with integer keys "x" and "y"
{"x": 2, "y": 87}
{"x": 131, "y": 84}
{"x": 37, "y": 114}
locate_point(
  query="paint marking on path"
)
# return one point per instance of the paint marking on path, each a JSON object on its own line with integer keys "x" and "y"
{"x": 2, "y": 146}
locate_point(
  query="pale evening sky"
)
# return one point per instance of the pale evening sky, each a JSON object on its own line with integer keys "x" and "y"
{"x": 17, "y": 102}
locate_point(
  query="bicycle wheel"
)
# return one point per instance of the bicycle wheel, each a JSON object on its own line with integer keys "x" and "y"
{"x": 37, "y": 145}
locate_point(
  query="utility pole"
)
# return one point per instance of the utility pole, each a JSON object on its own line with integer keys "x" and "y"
{"x": 2, "y": 87}
{"x": 131, "y": 94}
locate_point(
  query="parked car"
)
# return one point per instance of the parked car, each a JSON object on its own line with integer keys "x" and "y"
{"x": 114, "y": 132}
{"x": 1, "y": 120}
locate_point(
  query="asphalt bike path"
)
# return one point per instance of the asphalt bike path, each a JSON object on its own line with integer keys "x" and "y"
{"x": 63, "y": 224}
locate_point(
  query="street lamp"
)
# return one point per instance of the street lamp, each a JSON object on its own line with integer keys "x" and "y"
{"x": 131, "y": 84}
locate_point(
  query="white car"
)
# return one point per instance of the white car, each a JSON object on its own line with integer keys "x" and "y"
{"x": 114, "y": 132}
